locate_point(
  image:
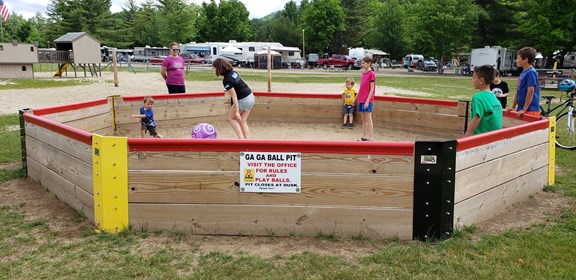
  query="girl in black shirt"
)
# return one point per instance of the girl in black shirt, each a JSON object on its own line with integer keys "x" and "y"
{"x": 242, "y": 98}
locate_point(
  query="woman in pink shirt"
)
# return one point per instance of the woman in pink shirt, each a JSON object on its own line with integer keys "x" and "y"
{"x": 173, "y": 70}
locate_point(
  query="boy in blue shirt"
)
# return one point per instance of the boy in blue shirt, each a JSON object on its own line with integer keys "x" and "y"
{"x": 146, "y": 116}
{"x": 528, "y": 93}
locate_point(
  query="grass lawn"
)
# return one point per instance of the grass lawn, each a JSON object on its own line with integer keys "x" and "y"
{"x": 32, "y": 248}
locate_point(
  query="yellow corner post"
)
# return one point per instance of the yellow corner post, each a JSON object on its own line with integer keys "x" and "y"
{"x": 110, "y": 176}
{"x": 551, "y": 150}
{"x": 112, "y": 103}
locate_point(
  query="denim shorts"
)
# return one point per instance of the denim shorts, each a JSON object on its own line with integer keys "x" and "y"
{"x": 246, "y": 103}
{"x": 348, "y": 109}
{"x": 362, "y": 110}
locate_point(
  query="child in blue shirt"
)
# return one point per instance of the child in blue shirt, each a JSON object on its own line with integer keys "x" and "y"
{"x": 146, "y": 116}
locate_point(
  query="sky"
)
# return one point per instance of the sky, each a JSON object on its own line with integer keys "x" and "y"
{"x": 257, "y": 8}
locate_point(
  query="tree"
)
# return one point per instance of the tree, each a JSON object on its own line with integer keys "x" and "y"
{"x": 146, "y": 27}
{"x": 223, "y": 22}
{"x": 552, "y": 23}
{"x": 496, "y": 23}
{"x": 177, "y": 21}
{"x": 355, "y": 25}
{"x": 386, "y": 28}
{"x": 440, "y": 27}
{"x": 323, "y": 19}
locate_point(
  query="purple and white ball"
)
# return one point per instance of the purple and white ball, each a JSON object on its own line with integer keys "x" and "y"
{"x": 204, "y": 131}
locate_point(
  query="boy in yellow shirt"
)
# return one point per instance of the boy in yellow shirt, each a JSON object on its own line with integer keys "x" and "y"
{"x": 348, "y": 98}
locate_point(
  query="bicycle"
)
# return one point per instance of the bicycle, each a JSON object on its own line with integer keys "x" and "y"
{"x": 565, "y": 117}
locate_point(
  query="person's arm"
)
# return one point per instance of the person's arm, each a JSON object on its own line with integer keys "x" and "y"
{"x": 370, "y": 93}
{"x": 232, "y": 93}
{"x": 138, "y": 116}
{"x": 529, "y": 96}
{"x": 163, "y": 72}
{"x": 472, "y": 125}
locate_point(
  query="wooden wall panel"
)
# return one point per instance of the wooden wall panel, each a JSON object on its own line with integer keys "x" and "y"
{"x": 72, "y": 115}
{"x": 492, "y": 173}
{"x": 60, "y": 162}
{"x": 169, "y": 109}
{"x": 459, "y": 110}
{"x": 317, "y": 189}
{"x": 471, "y": 157}
{"x": 274, "y": 220}
{"x": 90, "y": 124}
{"x": 229, "y": 161}
{"x": 494, "y": 201}
{"x": 60, "y": 142}
{"x": 63, "y": 189}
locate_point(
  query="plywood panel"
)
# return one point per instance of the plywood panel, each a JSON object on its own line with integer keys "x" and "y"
{"x": 483, "y": 177}
{"x": 494, "y": 201}
{"x": 164, "y": 125}
{"x": 467, "y": 158}
{"x": 290, "y": 102}
{"x": 69, "y": 167}
{"x": 317, "y": 189}
{"x": 342, "y": 163}
{"x": 58, "y": 141}
{"x": 274, "y": 220}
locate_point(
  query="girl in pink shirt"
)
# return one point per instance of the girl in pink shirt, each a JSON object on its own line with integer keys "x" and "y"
{"x": 365, "y": 98}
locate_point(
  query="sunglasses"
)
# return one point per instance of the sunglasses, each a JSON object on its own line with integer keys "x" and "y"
{"x": 175, "y": 50}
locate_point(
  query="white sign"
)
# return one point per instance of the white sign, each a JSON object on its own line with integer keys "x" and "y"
{"x": 270, "y": 172}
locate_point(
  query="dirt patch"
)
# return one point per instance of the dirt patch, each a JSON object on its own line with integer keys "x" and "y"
{"x": 540, "y": 208}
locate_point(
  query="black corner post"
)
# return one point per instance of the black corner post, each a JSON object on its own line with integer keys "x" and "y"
{"x": 23, "y": 139}
{"x": 434, "y": 176}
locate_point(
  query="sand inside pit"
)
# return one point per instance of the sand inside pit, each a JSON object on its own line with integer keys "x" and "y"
{"x": 289, "y": 131}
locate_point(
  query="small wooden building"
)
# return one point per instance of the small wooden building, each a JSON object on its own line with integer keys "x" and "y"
{"x": 75, "y": 49}
{"x": 16, "y": 60}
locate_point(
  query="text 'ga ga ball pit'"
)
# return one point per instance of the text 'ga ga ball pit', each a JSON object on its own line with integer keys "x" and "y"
{"x": 204, "y": 131}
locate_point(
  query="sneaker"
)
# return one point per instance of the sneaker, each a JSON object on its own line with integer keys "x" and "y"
{"x": 344, "y": 125}
{"x": 350, "y": 125}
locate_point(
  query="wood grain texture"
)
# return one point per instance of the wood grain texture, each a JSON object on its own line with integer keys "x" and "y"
{"x": 317, "y": 189}
{"x": 494, "y": 201}
{"x": 274, "y": 220}
{"x": 471, "y": 157}
{"x": 226, "y": 161}
{"x": 65, "y": 165}
{"x": 498, "y": 171}
{"x": 60, "y": 142}
{"x": 62, "y": 188}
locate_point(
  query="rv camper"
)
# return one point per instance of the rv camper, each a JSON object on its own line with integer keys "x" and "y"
{"x": 240, "y": 53}
{"x": 500, "y": 58}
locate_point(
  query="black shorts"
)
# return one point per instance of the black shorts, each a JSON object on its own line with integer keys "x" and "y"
{"x": 150, "y": 129}
{"x": 176, "y": 89}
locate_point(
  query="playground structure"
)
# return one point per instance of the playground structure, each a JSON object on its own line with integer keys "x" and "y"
{"x": 17, "y": 60}
{"x": 77, "y": 50}
{"x": 408, "y": 190}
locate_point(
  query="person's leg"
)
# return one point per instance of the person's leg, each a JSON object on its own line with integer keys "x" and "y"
{"x": 244, "y": 123}
{"x": 235, "y": 123}
{"x": 351, "y": 118}
{"x": 142, "y": 132}
{"x": 369, "y": 126}
{"x": 364, "y": 124}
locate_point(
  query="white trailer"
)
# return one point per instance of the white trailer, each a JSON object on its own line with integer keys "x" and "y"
{"x": 500, "y": 58}
{"x": 243, "y": 53}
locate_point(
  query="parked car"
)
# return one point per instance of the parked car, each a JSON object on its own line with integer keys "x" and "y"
{"x": 427, "y": 65}
{"x": 193, "y": 58}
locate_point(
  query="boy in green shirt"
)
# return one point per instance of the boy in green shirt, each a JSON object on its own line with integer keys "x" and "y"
{"x": 486, "y": 111}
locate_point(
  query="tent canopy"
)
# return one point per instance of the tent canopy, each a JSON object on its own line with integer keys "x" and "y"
{"x": 265, "y": 52}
